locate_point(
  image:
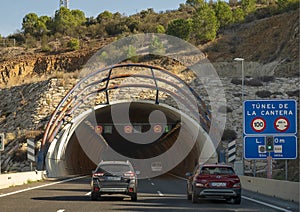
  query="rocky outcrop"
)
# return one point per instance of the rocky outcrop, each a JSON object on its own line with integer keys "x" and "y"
{"x": 19, "y": 65}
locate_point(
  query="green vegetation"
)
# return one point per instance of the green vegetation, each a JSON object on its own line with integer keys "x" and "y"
{"x": 196, "y": 21}
{"x": 74, "y": 44}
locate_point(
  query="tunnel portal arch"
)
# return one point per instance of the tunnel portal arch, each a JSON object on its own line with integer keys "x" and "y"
{"x": 73, "y": 111}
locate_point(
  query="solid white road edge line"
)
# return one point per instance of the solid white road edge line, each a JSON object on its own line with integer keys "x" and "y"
{"x": 247, "y": 198}
{"x": 41, "y": 186}
{"x": 266, "y": 204}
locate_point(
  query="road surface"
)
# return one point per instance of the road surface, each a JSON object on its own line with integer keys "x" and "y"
{"x": 165, "y": 193}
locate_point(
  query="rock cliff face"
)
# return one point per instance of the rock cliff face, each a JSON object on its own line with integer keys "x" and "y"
{"x": 19, "y": 66}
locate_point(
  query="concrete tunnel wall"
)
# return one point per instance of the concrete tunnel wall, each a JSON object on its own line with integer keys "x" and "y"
{"x": 66, "y": 154}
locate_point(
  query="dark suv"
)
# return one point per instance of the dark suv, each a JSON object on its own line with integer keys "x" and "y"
{"x": 213, "y": 181}
{"x": 114, "y": 177}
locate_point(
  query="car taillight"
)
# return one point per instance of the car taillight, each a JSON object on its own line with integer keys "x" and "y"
{"x": 129, "y": 174}
{"x": 100, "y": 174}
{"x": 237, "y": 185}
{"x": 130, "y": 189}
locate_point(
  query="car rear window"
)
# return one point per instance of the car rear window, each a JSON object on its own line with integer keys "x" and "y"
{"x": 113, "y": 168}
{"x": 217, "y": 170}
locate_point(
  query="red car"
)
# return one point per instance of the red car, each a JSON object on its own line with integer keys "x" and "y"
{"x": 213, "y": 181}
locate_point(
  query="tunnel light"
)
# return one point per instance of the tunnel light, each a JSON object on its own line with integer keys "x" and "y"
{"x": 157, "y": 128}
{"x": 99, "y": 129}
{"x": 128, "y": 129}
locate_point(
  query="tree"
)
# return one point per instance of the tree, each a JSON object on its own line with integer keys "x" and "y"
{"x": 180, "y": 28}
{"x": 131, "y": 54}
{"x": 156, "y": 47}
{"x": 205, "y": 24}
{"x": 238, "y": 15}
{"x": 34, "y": 25}
{"x": 286, "y": 5}
{"x": 66, "y": 21}
{"x": 43, "y": 24}
{"x": 29, "y": 23}
{"x": 195, "y": 3}
{"x": 104, "y": 16}
{"x": 248, "y": 6}
{"x": 78, "y": 17}
{"x": 223, "y": 13}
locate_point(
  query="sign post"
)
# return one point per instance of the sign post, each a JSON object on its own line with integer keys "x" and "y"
{"x": 270, "y": 128}
{"x": 1, "y": 147}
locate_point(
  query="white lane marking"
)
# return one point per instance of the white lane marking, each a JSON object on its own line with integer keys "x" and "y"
{"x": 152, "y": 184}
{"x": 87, "y": 194}
{"x": 266, "y": 204}
{"x": 41, "y": 186}
{"x": 61, "y": 210}
{"x": 181, "y": 178}
{"x": 247, "y": 198}
{"x": 160, "y": 194}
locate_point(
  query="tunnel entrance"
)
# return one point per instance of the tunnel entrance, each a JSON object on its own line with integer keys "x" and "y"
{"x": 90, "y": 124}
{"x": 78, "y": 161}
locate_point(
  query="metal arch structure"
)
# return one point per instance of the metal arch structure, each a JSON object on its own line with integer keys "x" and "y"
{"x": 88, "y": 87}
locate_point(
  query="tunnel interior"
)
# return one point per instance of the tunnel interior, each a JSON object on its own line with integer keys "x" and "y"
{"x": 101, "y": 126}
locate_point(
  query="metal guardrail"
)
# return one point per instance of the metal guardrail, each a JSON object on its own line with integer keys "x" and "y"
{"x": 88, "y": 87}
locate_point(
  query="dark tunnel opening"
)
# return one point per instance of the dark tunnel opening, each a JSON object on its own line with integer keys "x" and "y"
{"x": 78, "y": 162}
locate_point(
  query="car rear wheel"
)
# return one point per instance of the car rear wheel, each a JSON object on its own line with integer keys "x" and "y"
{"x": 188, "y": 196}
{"x": 194, "y": 197}
{"x": 94, "y": 196}
{"x": 237, "y": 200}
{"x": 134, "y": 197}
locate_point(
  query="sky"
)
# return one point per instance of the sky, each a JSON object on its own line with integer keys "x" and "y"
{"x": 12, "y": 12}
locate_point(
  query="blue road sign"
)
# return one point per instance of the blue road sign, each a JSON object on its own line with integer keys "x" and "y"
{"x": 285, "y": 147}
{"x": 270, "y": 117}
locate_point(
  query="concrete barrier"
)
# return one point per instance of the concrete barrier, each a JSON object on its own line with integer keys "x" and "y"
{"x": 277, "y": 188}
{"x": 20, "y": 178}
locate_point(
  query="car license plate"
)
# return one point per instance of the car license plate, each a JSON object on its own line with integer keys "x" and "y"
{"x": 114, "y": 178}
{"x": 218, "y": 184}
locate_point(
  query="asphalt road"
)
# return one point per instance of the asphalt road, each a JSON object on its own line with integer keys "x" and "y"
{"x": 166, "y": 193}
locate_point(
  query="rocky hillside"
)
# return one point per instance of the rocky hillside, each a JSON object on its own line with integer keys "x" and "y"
{"x": 273, "y": 40}
{"x": 32, "y": 82}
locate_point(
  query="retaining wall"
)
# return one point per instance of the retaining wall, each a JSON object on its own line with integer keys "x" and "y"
{"x": 13, "y": 179}
{"x": 278, "y": 188}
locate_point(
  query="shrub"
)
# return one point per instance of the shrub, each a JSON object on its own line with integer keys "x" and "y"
{"x": 74, "y": 44}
